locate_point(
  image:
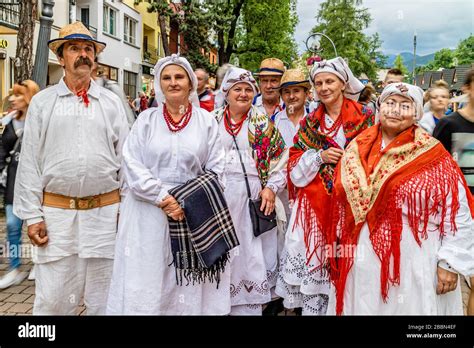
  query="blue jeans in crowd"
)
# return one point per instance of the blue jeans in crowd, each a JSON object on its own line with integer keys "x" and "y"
{"x": 14, "y": 225}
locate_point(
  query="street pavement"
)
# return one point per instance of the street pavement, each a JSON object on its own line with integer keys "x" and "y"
{"x": 18, "y": 300}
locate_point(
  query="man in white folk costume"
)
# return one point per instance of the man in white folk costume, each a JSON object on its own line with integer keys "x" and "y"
{"x": 67, "y": 188}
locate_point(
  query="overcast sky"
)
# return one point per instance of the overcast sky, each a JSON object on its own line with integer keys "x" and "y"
{"x": 438, "y": 23}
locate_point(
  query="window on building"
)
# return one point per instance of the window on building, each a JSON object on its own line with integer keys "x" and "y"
{"x": 110, "y": 21}
{"x": 109, "y": 72}
{"x": 129, "y": 30}
{"x": 130, "y": 84}
{"x": 85, "y": 16}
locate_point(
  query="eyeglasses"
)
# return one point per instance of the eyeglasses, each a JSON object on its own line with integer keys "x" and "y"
{"x": 403, "y": 106}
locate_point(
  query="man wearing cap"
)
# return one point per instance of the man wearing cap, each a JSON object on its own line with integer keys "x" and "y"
{"x": 269, "y": 77}
{"x": 67, "y": 188}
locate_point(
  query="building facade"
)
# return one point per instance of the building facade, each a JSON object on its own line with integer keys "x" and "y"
{"x": 9, "y": 20}
{"x": 110, "y": 21}
{"x": 120, "y": 27}
{"x": 151, "y": 43}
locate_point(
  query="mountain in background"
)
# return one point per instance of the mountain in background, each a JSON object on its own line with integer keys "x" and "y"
{"x": 408, "y": 59}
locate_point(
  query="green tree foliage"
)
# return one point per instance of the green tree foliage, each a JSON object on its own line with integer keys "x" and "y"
{"x": 249, "y": 30}
{"x": 195, "y": 23}
{"x": 344, "y": 21}
{"x": 266, "y": 30}
{"x": 421, "y": 69}
{"x": 398, "y": 64}
{"x": 443, "y": 59}
{"x": 301, "y": 63}
{"x": 447, "y": 58}
{"x": 225, "y": 17}
{"x": 464, "y": 53}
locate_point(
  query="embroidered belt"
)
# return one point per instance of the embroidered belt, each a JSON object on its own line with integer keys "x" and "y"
{"x": 80, "y": 203}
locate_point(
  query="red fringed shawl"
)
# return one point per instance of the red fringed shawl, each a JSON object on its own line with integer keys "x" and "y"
{"x": 373, "y": 185}
{"x": 313, "y": 200}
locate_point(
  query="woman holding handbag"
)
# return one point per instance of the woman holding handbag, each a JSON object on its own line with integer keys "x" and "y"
{"x": 11, "y": 141}
{"x": 255, "y": 170}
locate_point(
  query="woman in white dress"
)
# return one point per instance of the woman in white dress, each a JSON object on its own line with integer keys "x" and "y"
{"x": 254, "y": 263}
{"x": 404, "y": 218}
{"x": 303, "y": 280}
{"x": 167, "y": 146}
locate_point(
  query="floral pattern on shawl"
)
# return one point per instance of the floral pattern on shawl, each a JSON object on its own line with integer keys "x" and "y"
{"x": 266, "y": 143}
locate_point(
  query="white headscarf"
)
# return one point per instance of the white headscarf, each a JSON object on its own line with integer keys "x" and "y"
{"x": 175, "y": 59}
{"x": 412, "y": 92}
{"x": 232, "y": 77}
{"x": 338, "y": 67}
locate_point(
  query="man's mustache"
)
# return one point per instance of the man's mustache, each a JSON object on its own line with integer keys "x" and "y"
{"x": 82, "y": 61}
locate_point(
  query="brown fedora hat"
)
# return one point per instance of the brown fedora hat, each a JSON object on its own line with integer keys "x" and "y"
{"x": 75, "y": 31}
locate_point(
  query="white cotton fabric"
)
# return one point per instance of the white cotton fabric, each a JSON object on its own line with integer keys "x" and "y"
{"x": 258, "y": 103}
{"x": 156, "y": 160}
{"x": 298, "y": 284}
{"x": 76, "y": 151}
{"x": 339, "y": 68}
{"x": 61, "y": 285}
{"x": 416, "y": 294}
{"x": 254, "y": 263}
{"x": 287, "y": 129}
{"x": 175, "y": 59}
{"x": 249, "y": 310}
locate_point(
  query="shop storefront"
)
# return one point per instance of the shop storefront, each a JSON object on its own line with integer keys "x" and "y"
{"x": 147, "y": 79}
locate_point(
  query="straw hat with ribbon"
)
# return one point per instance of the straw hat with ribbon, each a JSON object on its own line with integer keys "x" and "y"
{"x": 75, "y": 31}
{"x": 271, "y": 66}
{"x": 293, "y": 78}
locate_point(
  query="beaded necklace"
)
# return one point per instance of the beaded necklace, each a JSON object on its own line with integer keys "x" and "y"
{"x": 334, "y": 128}
{"x": 233, "y": 128}
{"x": 181, "y": 123}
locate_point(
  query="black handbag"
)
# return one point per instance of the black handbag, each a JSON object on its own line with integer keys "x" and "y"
{"x": 261, "y": 223}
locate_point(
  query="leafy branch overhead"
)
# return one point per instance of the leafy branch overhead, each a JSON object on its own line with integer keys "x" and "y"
{"x": 247, "y": 31}
{"x": 447, "y": 58}
{"x": 344, "y": 22}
